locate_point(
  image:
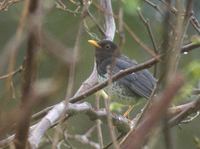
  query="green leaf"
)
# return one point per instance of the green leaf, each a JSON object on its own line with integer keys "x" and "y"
{"x": 115, "y": 106}
{"x": 194, "y": 70}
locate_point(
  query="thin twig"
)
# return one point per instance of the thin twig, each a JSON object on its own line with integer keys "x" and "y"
{"x": 195, "y": 23}
{"x": 120, "y": 24}
{"x": 5, "y": 4}
{"x": 148, "y": 26}
{"x": 96, "y": 23}
{"x": 20, "y": 69}
{"x": 193, "y": 107}
{"x": 156, "y": 7}
{"x": 111, "y": 143}
{"x": 137, "y": 39}
{"x": 109, "y": 119}
{"x": 99, "y": 130}
{"x": 83, "y": 139}
{"x": 189, "y": 47}
{"x": 60, "y": 5}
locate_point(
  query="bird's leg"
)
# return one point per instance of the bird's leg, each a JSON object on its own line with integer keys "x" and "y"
{"x": 104, "y": 94}
{"x": 130, "y": 108}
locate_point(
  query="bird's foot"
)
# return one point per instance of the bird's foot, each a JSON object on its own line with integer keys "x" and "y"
{"x": 126, "y": 114}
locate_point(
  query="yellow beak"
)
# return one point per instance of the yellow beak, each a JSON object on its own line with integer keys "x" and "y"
{"x": 94, "y": 43}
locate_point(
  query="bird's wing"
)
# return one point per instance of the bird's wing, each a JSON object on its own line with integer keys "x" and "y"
{"x": 141, "y": 82}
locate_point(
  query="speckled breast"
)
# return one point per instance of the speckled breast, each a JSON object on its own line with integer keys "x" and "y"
{"x": 118, "y": 92}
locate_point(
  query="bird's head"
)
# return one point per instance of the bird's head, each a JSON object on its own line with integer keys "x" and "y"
{"x": 105, "y": 48}
{"x": 104, "y": 45}
{"x": 105, "y": 52}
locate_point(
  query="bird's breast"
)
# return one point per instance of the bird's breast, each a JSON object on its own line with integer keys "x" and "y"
{"x": 118, "y": 92}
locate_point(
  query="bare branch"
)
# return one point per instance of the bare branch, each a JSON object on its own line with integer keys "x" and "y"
{"x": 137, "y": 39}
{"x": 109, "y": 19}
{"x": 122, "y": 124}
{"x": 195, "y": 23}
{"x": 98, "y": 122}
{"x": 20, "y": 69}
{"x": 7, "y": 3}
{"x": 148, "y": 26}
{"x": 83, "y": 139}
{"x": 189, "y": 108}
{"x": 189, "y": 47}
{"x": 28, "y": 99}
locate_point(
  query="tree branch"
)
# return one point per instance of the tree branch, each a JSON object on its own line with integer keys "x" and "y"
{"x": 189, "y": 108}
{"x": 189, "y": 47}
{"x": 122, "y": 124}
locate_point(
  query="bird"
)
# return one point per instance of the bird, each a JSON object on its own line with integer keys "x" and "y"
{"x": 128, "y": 89}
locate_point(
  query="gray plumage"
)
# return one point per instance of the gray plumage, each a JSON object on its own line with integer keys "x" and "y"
{"x": 135, "y": 85}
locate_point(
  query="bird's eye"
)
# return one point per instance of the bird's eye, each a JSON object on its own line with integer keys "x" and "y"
{"x": 108, "y": 46}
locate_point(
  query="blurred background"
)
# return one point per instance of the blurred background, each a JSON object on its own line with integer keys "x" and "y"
{"x": 63, "y": 26}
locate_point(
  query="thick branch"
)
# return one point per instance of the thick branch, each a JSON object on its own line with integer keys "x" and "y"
{"x": 122, "y": 124}
{"x": 109, "y": 19}
{"x": 28, "y": 100}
